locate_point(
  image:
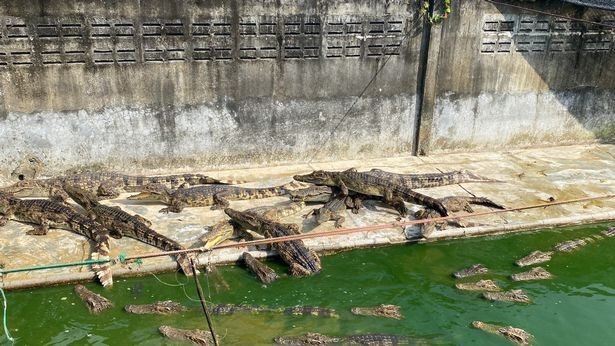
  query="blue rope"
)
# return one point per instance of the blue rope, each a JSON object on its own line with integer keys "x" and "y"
{"x": 6, "y": 328}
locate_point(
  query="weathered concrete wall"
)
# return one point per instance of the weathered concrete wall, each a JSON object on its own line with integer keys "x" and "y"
{"x": 181, "y": 84}
{"x": 147, "y": 84}
{"x": 510, "y": 78}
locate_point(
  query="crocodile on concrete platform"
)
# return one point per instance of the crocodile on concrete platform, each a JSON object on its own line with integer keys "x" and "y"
{"x": 363, "y": 183}
{"x": 537, "y": 273}
{"x": 225, "y": 230}
{"x": 216, "y": 196}
{"x": 133, "y": 226}
{"x": 535, "y": 257}
{"x": 481, "y": 285}
{"x": 382, "y": 310}
{"x": 453, "y": 204}
{"x": 45, "y": 213}
{"x": 425, "y": 180}
{"x": 359, "y": 339}
{"x": 194, "y": 336}
{"x": 302, "y": 261}
{"x": 230, "y": 309}
{"x": 475, "y": 269}
{"x": 517, "y": 296}
{"x": 516, "y": 335}
{"x": 106, "y": 185}
{"x": 166, "y": 307}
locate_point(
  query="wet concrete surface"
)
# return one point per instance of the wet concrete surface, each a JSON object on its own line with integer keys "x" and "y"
{"x": 528, "y": 177}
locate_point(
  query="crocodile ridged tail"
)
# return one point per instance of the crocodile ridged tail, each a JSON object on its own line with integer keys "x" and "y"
{"x": 184, "y": 263}
{"x": 103, "y": 270}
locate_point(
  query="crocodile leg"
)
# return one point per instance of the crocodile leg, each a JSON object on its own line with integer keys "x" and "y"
{"x": 220, "y": 202}
{"x": 3, "y": 220}
{"x": 41, "y": 229}
{"x": 174, "y": 207}
{"x": 396, "y": 202}
{"x": 108, "y": 189}
{"x": 147, "y": 222}
{"x": 339, "y": 220}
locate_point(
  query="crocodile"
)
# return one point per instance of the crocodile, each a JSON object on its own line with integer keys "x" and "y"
{"x": 537, "y": 273}
{"x": 382, "y": 310}
{"x": 106, "y": 185}
{"x": 358, "y": 339}
{"x": 535, "y": 257}
{"x": 517, "y": 296}
{"x": 363, "y": 183}
{"x": 194, "y": 336}
{"x": 263, "y": 272}
{"x": 95, "y": 302}
{"x": 426, "y": 180}
{"x": 516, "y": 335}
{"x": 481, "y": 285}
{"x": 302, "y": 261}
{"x": 217, "y": 196}
{"x": 230, "y": 309}
{"x": 332, "y": 209}
{"x": 133, "y": 226}
{"x": 224, "y": 230}
{"x": 475, "y": 269}
{"x": 453, "y": 204}
{"x": 570, "y": 245}
{"x": 609, "y": 232}
{"x": 45, "y": 213}
{"x": 166, "y": 307}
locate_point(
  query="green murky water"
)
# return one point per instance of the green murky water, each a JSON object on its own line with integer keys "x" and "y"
{"x": 575, "y": 308}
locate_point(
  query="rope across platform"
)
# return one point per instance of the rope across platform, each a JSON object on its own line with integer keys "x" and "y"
{"x": 339, "y": 231}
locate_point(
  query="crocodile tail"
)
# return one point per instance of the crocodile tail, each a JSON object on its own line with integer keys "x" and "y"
{"x": 183, "y": 260}
{"x": 469, "y": 177}
{"x": 103, "y": 270}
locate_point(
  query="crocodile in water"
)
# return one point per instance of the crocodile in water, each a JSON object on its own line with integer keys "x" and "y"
{"x": 302, "y": 261}
{"x": 133, "y": 226}
{"x": 517, "y": 296}
{"x": 475, "y": 269}
{"x": 537, "y": 273}
{"x": 95, "y": 302}
{"x": 516, "y": 335}
{"x": 534, "y": 258}
{"x": 230, "y": 309}
{"x": 166, "y": 307}
{"x": 382, "y": 310}
{"x": 45, "y": 213}
{"x": 481, "y": 285}
{"x": 194, "y": 336}
{"x": 359, "y": 339}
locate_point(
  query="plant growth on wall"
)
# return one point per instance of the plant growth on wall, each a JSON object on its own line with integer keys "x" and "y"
{"x": 433, "y": 16}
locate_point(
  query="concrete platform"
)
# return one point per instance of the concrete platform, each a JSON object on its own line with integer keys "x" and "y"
{"x": 529, "y": 177}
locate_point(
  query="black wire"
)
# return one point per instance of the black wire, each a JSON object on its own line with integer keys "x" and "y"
{"x": 396, "y": 52}
{"x": 199, "y": 290}
{"x": 551, "y": 14}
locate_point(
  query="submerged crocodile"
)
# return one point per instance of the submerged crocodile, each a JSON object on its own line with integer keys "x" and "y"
{"x": 133, "y": 226}
{"x": 517, "y": 296}
{"x": 194, "y": 336}
{"x": 453, "y": 204}
{"x": 475, "y": 269}
{"x": 382, "y": 310}
{"x": 609, "y": 232}
{"x": 302, "y": 261}
{"x": 534, "y": 258}
{"x": 516, "y": 335}
{"x": 359, "y": 339}
{"x": 45, "y": 213}
{"x": 166, "y": 307}
{"x": 106, "y": 185}
{"x": 95, "y": 302}
{"x": 570, "y": 245}
{"x": 216, "y": 196}
{"x": 537, "y": 273}
{"x": 481, "y": 285}
{"x": 366, "y": 184}
{"x": 230, "y": 309}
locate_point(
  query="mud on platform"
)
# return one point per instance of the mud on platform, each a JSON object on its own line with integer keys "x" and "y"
{"x": 529, "y": 177}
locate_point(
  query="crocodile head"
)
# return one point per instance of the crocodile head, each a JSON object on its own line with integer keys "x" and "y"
{"x": 245, "y": 220}
{"x": 27, "y": 188}
{"x": 318, "y": 178}
{"x": 153, "y": 192}
{"x": 84, "y": 198}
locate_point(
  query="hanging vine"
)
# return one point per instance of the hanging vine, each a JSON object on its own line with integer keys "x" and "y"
{"x": 436, "y": 17}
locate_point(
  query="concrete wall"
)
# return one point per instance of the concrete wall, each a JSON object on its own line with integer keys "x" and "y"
{"x": 146, "y": 84}
{"x": 130, "y": 85}
{"x": 510, "y": 78}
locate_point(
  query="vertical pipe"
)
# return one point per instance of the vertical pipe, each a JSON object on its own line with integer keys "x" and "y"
{"x": 420, "y": 78}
